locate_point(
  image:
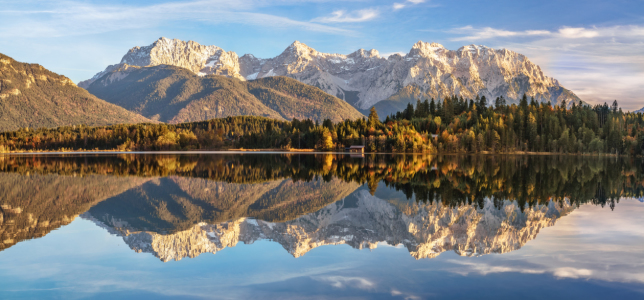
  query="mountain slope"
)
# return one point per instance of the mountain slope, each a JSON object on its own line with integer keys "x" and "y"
{"x": 174, "y": 94}
{"x": 364, "y": 78}
{"x": 32, "y": 96}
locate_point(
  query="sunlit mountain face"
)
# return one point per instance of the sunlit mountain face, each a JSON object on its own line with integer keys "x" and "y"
{"x": 275, "y": 226}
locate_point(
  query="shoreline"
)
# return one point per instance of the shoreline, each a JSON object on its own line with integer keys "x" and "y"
{"x": 306, "y": 151}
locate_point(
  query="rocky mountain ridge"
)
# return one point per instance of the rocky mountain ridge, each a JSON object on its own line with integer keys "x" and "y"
{"x": 365, "y": 78}
{"x": 361, "y": 221}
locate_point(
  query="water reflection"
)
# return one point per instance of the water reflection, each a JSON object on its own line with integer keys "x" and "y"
{"x": 359, "y": 220}
{"x": 177, "y": 206}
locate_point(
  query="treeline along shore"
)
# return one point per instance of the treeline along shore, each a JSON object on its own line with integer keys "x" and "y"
{"x": 454, "y": 125}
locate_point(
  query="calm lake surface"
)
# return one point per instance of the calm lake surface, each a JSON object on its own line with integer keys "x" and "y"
{"x": 281, "y": 226}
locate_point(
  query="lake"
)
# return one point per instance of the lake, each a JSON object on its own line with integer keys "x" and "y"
{"x": 319, "y": 226}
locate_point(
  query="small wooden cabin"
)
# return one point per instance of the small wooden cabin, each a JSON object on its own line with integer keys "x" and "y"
{"x": 356, "y": 149}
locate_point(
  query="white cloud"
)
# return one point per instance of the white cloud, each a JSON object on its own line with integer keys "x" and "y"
{"x": 387, "y": 54}
{"x": 575, "y": 33}
{"x": 485, "y": 33}
{"x": 406, "y": 296}
{"x": 343, "y": 282}
{"x": 488, "y": 33}
{"x": 69, "y": 18}
{"x": 572, "y": 273}
{"x": 484, "y": 269}
{"x": 341, "y": 16}
{"x": 398, "y": 5}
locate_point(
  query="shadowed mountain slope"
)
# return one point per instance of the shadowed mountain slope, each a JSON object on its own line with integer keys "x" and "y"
{"x": 32, "y": 96}
{"x": 174, "y": 94}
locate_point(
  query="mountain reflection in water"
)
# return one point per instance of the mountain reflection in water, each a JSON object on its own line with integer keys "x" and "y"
{"x": 177, "y": 206}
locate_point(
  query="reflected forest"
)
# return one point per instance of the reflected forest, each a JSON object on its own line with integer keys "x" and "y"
{"x": 451, "y": 180}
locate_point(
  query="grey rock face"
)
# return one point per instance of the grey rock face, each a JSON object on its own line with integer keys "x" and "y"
{"x": 363, "y": 77}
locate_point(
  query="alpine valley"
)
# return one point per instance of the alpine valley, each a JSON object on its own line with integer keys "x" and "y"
{"x": 362, "y": 78}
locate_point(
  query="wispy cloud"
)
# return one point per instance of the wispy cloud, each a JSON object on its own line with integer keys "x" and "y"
{"x": 488, "y": 33}
{"x": 406, "y": 296}
{"x": 484, "y": 269}
{"x": 69, "y": 18}
{"x": 342, "y": 16}
{"x": 400, "y": 5}
{"x": 485, "y": 33}
{"x": 344, "y": 282}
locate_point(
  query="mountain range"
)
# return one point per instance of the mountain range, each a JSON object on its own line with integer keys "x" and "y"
{"x": 175, "y": 81}
{"x": 175, "y": 94}
{"x": 32, "y": 96}
{"x": 365, "y": 78}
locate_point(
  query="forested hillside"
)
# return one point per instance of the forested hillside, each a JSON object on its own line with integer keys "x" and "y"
{"x": 176, "y": 95}
{"x": 472, "y": 126}
{"x": 231, "y": 132}
{"x": 409, "y": 94}
{"x": 32, "y": 96}
{"x": 454, "y": 125}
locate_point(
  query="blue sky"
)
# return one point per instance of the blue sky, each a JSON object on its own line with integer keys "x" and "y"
{"x": 595, "y": 48}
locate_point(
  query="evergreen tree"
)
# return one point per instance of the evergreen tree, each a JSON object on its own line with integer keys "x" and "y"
{"x": 614, "y": 106}
{"x": 523, "y": 104}
{"x": 374, "y": 120}
{"x": 419, "y": 109}
{"x": 481, "y": 105}
{"x": 409, "y": 111}
{"x": 432, "y": 107}
{"x": 425, "y": 108}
